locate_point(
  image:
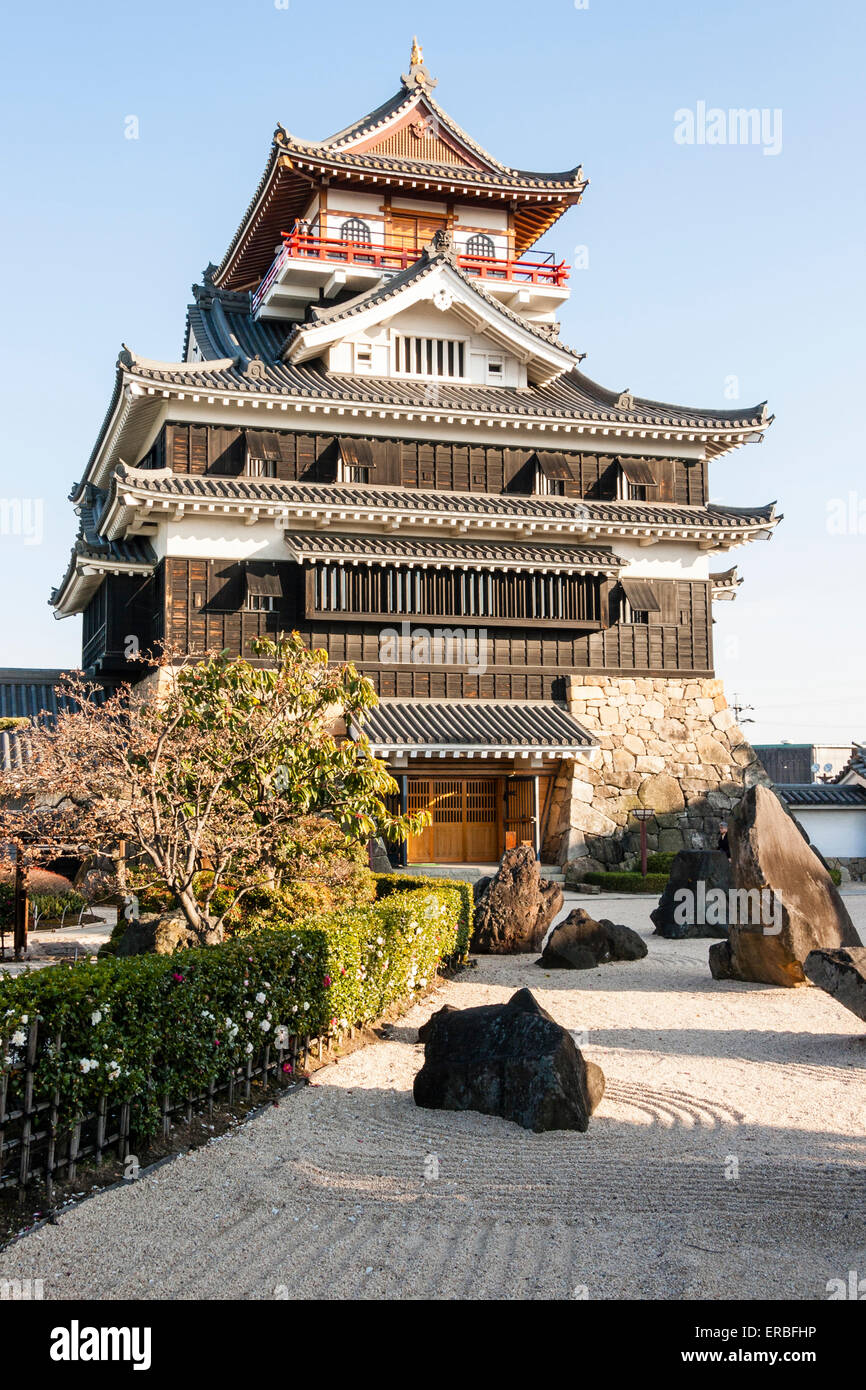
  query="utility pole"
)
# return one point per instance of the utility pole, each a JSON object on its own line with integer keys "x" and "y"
{"x": 740, "y": 710}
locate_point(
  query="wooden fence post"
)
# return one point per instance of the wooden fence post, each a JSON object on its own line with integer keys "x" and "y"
{"x": 27, "y": 1103}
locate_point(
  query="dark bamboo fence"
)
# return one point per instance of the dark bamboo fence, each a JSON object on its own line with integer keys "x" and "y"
{"x": 33, "y": 1145}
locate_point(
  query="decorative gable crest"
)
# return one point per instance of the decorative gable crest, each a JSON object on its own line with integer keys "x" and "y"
{"x": 418, "y": 78}
{"x": 625, "y": 400}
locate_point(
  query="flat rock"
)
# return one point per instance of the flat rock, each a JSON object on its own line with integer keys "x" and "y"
{"x": 841, "y": 973}
{"x": 579, "y": 942}
{"x": 770, "y": 854}
{"x": 683, "y": 907}
{"x": 511, "y": 1060}
{"x": 516, "y": 906}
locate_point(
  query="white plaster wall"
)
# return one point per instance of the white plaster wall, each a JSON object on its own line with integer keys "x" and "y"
{"x": 474, "y": 215}
{"x": 212, "y": 537}
{"x": 838, "y": 834}
{"x": 667, "y": 560}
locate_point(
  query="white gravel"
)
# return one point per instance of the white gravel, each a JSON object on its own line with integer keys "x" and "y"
{"x": 335, "y": 1194}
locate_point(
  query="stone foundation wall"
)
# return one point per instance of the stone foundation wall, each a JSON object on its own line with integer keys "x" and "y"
{"x": 666, "y": 743}
{"x": 852, "y": 870}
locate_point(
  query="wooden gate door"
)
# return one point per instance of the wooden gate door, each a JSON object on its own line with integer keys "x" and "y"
{"x": 464, "y": 828}
{"x": 519, "y": 811}
{"x": 482, "y": 830}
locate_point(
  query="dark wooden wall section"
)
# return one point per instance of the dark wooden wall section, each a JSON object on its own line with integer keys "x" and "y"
{"x": 204, "y": 603}
{"x": 124, "y": 607}
{"x": 439, "y": 466}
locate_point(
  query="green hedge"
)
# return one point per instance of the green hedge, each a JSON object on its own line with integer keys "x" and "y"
{"x": 139, "y": 1028}
{"x": 401, "y": 883}
{"x": 627, "y": 882}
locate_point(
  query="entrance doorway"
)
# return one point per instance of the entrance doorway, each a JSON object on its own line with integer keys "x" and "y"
{"x": 412, "y": 232}
{"x": 465, "y": 820}
{"x": 520, "y": 811}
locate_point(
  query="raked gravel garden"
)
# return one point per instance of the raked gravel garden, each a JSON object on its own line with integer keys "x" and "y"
{"x": 726, "y": 1160}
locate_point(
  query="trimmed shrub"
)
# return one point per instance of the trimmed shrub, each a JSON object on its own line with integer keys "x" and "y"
{"x": 661, "y": 862}
{"x": 401, "y": 883}
{"x": 627, "y": 882}
{"x": 138, "y": 1029}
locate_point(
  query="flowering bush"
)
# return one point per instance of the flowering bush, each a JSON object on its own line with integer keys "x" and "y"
{"x": 402, "y": 883}
{"x": 140, "y": 1028}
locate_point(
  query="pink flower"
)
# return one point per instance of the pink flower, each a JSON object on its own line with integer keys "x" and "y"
{"x": 177, "y": 977}
{"x": 287, "y": 1066}
{"x": 326, "y": 981}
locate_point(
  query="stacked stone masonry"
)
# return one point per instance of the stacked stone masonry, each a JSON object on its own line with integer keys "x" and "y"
{"x": 669, "y": 744}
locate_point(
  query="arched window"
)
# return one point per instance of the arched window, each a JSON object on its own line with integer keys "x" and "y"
{"x": 355, "y": 230}
{"x": 481, "y": 245}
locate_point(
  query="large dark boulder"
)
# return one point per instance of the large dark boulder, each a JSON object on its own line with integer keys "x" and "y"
{"x": 511, "y": 1060}
{"x": 161, "y": 934}
{"x": 581, "y": 943}
{"x": 517, "y": 905}
{"x": 800, "y": 909}
{"x": 841, "y": 973}
{"x": 696, "y": 890}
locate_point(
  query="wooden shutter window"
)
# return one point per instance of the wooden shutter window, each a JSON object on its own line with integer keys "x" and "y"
{"x": 642, "y": 595}
{"x": 554, "y": 466}
{"x": 263, "y": 585}
{"x": 262, "y": 444}
{"x": 356, "y": 453}
{"x": 639, "y": 472}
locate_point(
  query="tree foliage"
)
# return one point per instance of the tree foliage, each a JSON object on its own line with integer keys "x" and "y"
{"x": 213, "y": 763}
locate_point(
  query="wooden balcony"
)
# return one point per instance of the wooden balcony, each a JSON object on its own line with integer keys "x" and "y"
{"x": 309, "y": 261}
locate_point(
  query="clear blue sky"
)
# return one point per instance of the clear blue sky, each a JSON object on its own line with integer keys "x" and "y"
{"x": 706, "y": 261}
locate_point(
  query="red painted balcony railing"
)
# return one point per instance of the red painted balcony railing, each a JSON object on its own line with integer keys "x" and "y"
{"x": 298, "y": 245}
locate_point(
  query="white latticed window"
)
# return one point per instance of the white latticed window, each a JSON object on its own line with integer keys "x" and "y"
{"x": 430, "y": 357}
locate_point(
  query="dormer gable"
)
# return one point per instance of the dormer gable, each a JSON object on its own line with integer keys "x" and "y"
{"x": 431, "y": 322}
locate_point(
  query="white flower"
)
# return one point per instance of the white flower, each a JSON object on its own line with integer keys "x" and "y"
{"x": 306, "y": 1007}
{"x": 229, "y": 1023}
{"x": 265, "y": 1026}
{"x": 19, "y": 1038}
{"x": 86, "y": 1064}
{"x": 248, "y": 1049}
{"x": 25, "y": 1018}
{"x": 248, "y": 1014}
{"x": 96, "y": 1017}
{"x": 260, "y": 998}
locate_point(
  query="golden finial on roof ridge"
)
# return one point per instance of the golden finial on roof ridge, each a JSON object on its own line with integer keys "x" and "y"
{"x": 416, "y": 56}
